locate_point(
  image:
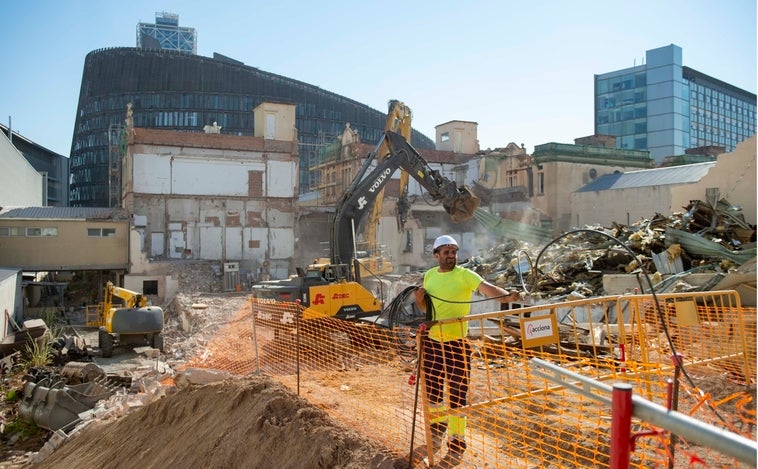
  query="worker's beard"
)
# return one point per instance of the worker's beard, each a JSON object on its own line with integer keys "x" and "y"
{"x": 447, "y": 264}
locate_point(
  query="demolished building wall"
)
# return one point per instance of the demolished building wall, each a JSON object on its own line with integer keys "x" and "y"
{"x": 212, "y": 197}
{"x": 735, "y": 177}
{"x": 561, "y": 179}
{"x": 638, "y": 194}
{"x": 627, "y": 197}
{"x": 561, "y": 169}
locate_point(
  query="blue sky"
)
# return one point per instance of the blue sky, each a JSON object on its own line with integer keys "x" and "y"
{"x": 523, "y": 70}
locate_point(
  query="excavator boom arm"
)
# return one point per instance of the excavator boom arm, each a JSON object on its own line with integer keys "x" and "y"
{"x": 459, "y": 202}
{"x": 131, "y": 298}
{"x": 398, "y": 120}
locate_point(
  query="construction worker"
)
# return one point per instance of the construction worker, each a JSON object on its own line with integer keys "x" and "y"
{"x": 447, "y": 291}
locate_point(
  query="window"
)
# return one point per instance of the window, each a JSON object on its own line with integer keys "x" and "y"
{"x": 101, "y": 232}
{"x": 11, "y": 231}
{"x": 540, "y": 183}
{"x": 150, "y": 287}
{"x": 35, "y": 232}
{"x": 445, "y": 136}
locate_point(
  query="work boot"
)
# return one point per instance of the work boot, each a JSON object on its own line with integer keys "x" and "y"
{"x": 456, "y": 447}
{"x": 438, "y": 430}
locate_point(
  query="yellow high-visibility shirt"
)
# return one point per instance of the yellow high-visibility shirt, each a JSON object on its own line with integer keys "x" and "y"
{"x": 456, "y": 286}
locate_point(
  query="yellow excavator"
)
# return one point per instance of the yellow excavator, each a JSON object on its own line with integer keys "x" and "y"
{"x": 332, "y": 287}
{"x": 133, "y": 322}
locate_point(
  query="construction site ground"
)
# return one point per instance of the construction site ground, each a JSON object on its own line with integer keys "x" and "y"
{"x": 250, "y": 421}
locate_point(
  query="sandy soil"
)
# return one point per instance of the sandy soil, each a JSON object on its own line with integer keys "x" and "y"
{"x": 251, "y": 422}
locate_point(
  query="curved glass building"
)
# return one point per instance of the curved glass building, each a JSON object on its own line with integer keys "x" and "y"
{"x": 181, "y": 91}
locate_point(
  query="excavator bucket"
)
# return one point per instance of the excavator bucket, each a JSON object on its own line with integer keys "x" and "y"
{"x": 463, "y": 206}
{"x": 53, "y": 405}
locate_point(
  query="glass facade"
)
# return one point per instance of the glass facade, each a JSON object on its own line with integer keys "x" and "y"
{"x": 621, "y": 108}
{"x": 666, "y": 108}
{"x": 718, "y": 115}
{"x": 184, "y": 92}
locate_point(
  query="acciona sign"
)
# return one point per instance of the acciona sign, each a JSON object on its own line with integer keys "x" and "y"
{"x": 539, "y": 330}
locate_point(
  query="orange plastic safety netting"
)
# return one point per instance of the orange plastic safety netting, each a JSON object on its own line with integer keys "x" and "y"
{"x": 367, "y": 376}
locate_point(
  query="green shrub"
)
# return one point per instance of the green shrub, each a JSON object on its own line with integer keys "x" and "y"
{"x": 37, "y": 353}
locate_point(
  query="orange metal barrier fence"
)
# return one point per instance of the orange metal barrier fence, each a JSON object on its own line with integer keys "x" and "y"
{"x": 363, "y": 375}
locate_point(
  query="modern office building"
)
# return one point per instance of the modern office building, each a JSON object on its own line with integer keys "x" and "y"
{"x": 666, "y": 108}
{"x": 50, "y": 165}
{"x": 185, "y": 92}
{"x": 166, "y": 34}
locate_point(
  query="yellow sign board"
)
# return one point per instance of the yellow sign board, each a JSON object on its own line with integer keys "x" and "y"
{"x": 686, "y": 313}
{"x": 539, "y": 330}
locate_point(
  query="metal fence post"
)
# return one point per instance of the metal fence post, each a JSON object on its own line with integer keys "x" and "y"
{"x": 621, "y": 425}
{"x": 674, "y": 403}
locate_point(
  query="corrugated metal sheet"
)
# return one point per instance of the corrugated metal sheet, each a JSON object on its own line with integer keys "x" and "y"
{"x": 71, "y": 213}
{"x": 650, "y": 177}
{"x": 707, "y": 248}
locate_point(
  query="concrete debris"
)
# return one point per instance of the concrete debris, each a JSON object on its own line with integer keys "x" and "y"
{"x": 53, "y": 443}
{"x": 199, "y": 377}
{"x": 705, "y": 239}
{"x": 142, "y": 376}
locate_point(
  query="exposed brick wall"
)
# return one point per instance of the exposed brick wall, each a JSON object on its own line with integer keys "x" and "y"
{"x": 216, "y": 141}
{"x": 233, "y": 219}
{"x": 255, "y": 183}
{"x": 254, "y": 219}
{"x": 281, "y": 205}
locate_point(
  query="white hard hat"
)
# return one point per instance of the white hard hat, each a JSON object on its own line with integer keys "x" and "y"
{"x": 443, "y": 240}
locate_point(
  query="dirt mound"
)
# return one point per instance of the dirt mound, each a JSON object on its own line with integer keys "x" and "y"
{"x": 251, "y": 422}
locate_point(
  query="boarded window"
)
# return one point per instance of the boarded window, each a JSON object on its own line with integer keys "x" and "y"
{"x": 150, "y": 287}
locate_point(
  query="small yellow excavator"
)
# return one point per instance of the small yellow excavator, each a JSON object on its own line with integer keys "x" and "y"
{"x": 133, "y": 322}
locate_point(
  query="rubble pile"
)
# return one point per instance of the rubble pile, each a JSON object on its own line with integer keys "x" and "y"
{"x": 191, "y": 320}
{"x": 197, "y": 277}
{"x": 705, "y": 238}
